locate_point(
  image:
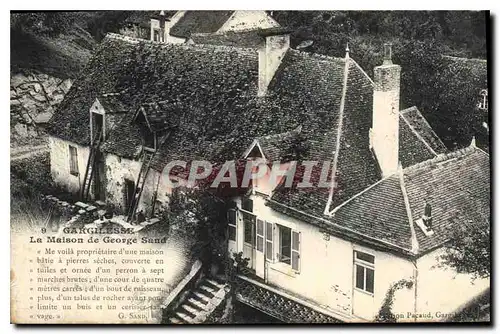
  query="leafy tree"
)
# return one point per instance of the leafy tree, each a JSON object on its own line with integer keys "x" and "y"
{"x": 469, "y": 248}
{"x": 45, "y": 23}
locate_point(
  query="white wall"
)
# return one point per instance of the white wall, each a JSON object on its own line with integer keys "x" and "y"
{"x": 248, "y": 19}
{"x": 441, "y": 289}
{"x": 60, "y": 164}
{"x": 326, "y": 268}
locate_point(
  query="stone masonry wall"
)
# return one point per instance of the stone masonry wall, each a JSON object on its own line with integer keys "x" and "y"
{"x": 33, "y": 99}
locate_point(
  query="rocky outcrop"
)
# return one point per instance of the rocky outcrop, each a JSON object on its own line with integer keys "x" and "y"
{"x": 33, "y": 99}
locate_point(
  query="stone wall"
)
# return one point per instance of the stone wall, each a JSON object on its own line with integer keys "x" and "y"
{"x": 33, "y": 99}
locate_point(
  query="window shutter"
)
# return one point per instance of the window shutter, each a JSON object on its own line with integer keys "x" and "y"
{"x": 296, "y": 250}
{"x": 231, "y": 219}
{"x": 269, "y": 241}
{"x": 260, "y": 236}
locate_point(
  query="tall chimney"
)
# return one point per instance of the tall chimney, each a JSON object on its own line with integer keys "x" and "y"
{"x": 271, "y": 53}
{"x": 384, "y": 136}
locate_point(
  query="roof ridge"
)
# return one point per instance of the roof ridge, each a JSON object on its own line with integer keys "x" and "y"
{"x": 339, "y": 136}
{"x": 465, "y": 59}
{"x": 404, "y": 111}
{"x": 363, "y": 71}
{"x": 296, "y": 130}
{"x": 442, "y": 157}
{"x": 338, "y": 207}
{"x": 413, "y": 238}
{"x": 194, "y": 46}
{"x": 426, "y": 122}
{"x": 317, "y": 55}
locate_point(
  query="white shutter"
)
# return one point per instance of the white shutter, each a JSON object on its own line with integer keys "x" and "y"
{"x": 269, "y": 241}
{"x": 296, "y": 251}
{"x": 260, "y": 236}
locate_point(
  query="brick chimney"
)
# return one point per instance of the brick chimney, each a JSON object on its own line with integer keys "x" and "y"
{"x": 271, "y": 53}
{"x": 384, "y": 134}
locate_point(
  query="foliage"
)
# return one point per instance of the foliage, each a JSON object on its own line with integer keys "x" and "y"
{"x": 469, "y": 248}
{"x": 107, "y": 21}
{"x": 199, "y": 216}
{"x": 385, "y": 313}
{"x": 45, "y": 23}
{"x": 446, "y": 92}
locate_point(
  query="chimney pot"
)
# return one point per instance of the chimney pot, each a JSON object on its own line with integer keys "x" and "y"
{"x": 387, "y": 54}
{"x": 427, "y": 216}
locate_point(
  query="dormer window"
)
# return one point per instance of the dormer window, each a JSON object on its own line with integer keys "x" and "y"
{"x": 483, "y": 100}
{"x": 150, "y": 140}
{"x": 156, "y": 35}
{"x": 97, "y": 121}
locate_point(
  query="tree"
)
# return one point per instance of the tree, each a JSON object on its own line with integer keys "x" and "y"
{"x": 469, "y": 248}
{"x": 45, "y": 23}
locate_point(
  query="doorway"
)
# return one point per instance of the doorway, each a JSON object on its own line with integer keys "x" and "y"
{"x": 129, "y": 193}
{"x": 249, "y": 239}
{"x": 97, "y": 124}
{"x": 99, "y": 177}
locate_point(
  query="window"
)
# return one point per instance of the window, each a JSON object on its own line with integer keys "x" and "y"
{"x": 295, "y": 250}
{"x": 289, "y": 247}
{"x": 269, "y": 241}
{"x": 156, "y": 35}
{"x": 364, "y": 274}
{"x": 248, "y": 226}
{"x": 232, "y": 224}
{"x": 150, "y": 140}
{"x": 73, "y": 160}
{"x": 483, "y": 100}
{"x": 285, "y": 244}
{"x": 259, "y": 242}
{"x": 247, "y": 204}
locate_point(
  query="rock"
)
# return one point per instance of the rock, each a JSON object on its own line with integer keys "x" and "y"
{"x": 154, "y": 220}
{"x": 91, "y": 208}
{"x": 100, "y": 203}
{"x": 43, "y": 117}
{"x": 81, "y": 205}
{"x": 82, "y": 212}
{"x": 21, "y": 130}
{"x": 37, "y": 88}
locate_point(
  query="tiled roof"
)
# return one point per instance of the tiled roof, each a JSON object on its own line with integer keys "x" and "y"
{"x": 417, "y": 141}
{"x": 456, "y": 185}
{"x": 162, "y": 115}
{"x": 355, "y": 168}
{"x": 200, "y": 21}
{"x": 378, "y": 212}
{"x": 414, "y": 119}
{"x": 279, "y": 306}
{"x": 245, "y": 39}
{"x": 212, "y": 112}
{"x": 276, "y": 146}
{"x": 112, "y": 103}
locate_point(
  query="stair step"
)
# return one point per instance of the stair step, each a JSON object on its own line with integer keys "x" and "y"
{"x": 206, "y": 289}
{"x": 217, "y": 286}
{"x": 201, "y": 297}
{"x": 189, "y": 310}
{"x": 175, "y": 320}
{"x": 194, "y": 303}
{"x": 184, "y": 317}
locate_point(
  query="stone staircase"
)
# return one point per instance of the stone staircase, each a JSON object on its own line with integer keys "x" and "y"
{"x": 200, "y": 302}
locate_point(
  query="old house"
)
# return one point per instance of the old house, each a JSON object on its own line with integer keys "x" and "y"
{"x": 316, "y": 254}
